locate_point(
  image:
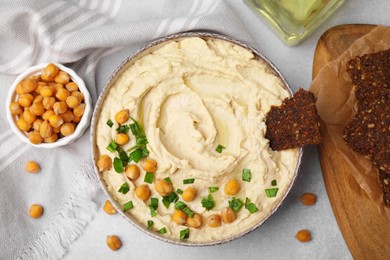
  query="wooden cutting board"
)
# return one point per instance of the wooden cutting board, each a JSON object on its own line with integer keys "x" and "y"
{"x": 365, "y": 231}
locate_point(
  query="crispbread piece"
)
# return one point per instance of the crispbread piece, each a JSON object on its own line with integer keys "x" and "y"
{"x": 294, "y": 123}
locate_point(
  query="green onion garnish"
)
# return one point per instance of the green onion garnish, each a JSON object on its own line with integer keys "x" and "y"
{"x": 235, "y": 204}
{"x": 208, "y": 202}
{"x": 219, "y": 148}
{"x": 184, "y": 234}
{"x": 124, "y": 157}
{"x": 180, "y": 205}
{"x": 150, "y": 224}
{"x": 170, "y": 198}
{"x": 213, "y": 189}
{"x": 189, "y": 212}
{"x": 123, "y": 129}
{"x": 127, "y": 206}
{"x": 162, "y": 231}
{"x": 271, "y": 192}
{"x": 149, "y": 177}
{"x": 141, "y": 151}
{"x": 246, "y": 175}
{"x": 153, "y": 211}
{"x": 251, "y": 207}
{"x": 118, "y": 165}
{"x": 153, "y": 206}
{"x": 180, "y": 191}
{"x": 168, "y": 180}
{"x": 112, "y": 146}
{"x": 124, "y": 188}
{"x": 188, "y": 181}
{"x": 136, "y": 155}
{"x": 274, "y": 183}
{"x": 110, "y": 123}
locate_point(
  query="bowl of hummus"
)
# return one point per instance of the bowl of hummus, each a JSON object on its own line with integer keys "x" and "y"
{"x": 178, "y": 139}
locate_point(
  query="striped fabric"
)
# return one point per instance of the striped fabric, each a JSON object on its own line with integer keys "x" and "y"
{"x": 93, "y": 37}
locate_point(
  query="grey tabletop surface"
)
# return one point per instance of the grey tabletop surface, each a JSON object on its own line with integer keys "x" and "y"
{"x": 275, "y": 239}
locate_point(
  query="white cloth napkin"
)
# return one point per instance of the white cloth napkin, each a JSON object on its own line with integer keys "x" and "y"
{"x": 93, "y": 37}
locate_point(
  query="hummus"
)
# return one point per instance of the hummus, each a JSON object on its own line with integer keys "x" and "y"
{"x": 191, "y": 95}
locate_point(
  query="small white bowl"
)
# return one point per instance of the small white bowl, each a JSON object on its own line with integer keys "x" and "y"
{"x": 81, "y": 126}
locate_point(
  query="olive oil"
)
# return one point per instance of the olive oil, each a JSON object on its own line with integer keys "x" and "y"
{"x": 294, "y": 20}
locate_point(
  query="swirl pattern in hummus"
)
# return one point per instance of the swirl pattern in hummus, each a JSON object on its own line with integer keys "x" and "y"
{"x": 191, "y": 95}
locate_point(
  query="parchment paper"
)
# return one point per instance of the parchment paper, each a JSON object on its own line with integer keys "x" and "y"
{"x": 336, "y": 106}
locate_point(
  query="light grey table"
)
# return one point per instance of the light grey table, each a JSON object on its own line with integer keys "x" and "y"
{"x": 275, "y": 239}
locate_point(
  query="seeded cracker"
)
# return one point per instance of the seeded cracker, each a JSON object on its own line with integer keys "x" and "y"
{"x": 295, "y": 123}
{"x": 369, "y": 131}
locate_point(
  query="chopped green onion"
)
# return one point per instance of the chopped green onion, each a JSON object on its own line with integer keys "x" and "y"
{"x": 274, "y": 183}
{"x": 188, "y": 181}
{"x": 136, "y": 155}
{"x": 150, "y": 224}
{"x": 184, "y": 234}
{"x": 170, "y": 198}
{"x": 180, "y": 205}
{"x": 112, "y": 146}
{"x": 127, "y": 206}
{"x": 213, "y": 189}
{"x": 168, "y": 180}
{"x": 141, "y": 140}
{"x": 180, "y": 191}
{"x": 246, "y": 175}
{"x": 162, "y": 231}
{"x": 110, "y": 123}
{"x": 219, "y": 148}
{"x": 153, "y": 211}
{"x": 118, "y": 165}
{"x": 123, "y": 129}
{"x": 124, "y": 188}
{"x": 271, "y": 192}
{"x": 251, "y": 207}
{"x": 208, "y": 202}
{"x": 189, "y": 212}
{"x": 149, "y": 177}
{"x": 154, "y": 202}
{"x": 124, "y": 157}
{"x": 235, "y": 204}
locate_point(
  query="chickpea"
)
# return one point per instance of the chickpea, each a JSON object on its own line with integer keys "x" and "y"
{"x": 29, "y": 117}
{"x": 214, "y": 220}
{"x": 36, "y": 211}
{"x": 67, "y": 129}
{"x": 60, "y": 107}
{"x": 104, "y": 163}
{"x": 45, "y": 129}
{"x": 76, "y": 119}
{"x": 232, "y": 187}
{"x": 113, "y": 242}
{"x": 122, "y": 116}
{"x": 37, "y": 108}
{"x": 121, "y": 138}
{"x": 15, "y": 108}
{"x": 142, "y": 192}
{"x": 79, "y": 110}
{"x": 35, "y": 137}
{"x": 37, "y": 123}
{"x": 149, "y": 165}
{"x": 51, "y": 139}
{"x": 303, "y": 235}
{"x": 47, "y": 114}
{"x": 163, "y": 187}
{"x": 108, "y": 208}
{"x": 37, "y": 99}
{"x": 29, "y": 85}
{"x": 195, "y": 221}
{"x": 67, "y": 116}
{"x": 23, "y": 124}
{"x": 25, "y": 100}
{"x": 71, "y": 86}
{"x": 62, "y": 94}
{"x": 19, "y": 89}
{"x": 49, "y": 73}
{"x": 62, "y": 77}
{"x": 48, "y": 102}
{"x": 189, "y": 194}
{"x": 56, "y": 130}
{"x": 79, "y": 95}
{"x": 57, "y": 87}
{"x": 179, "y": 217}
{"x": 132, "y": 171}
{"x": 72, "y": 101}
{"x": 228, "y": 215}
{"x": 308, "y": 199}
{"x": 32, "y": 167}
{"x": 47, "y": 91}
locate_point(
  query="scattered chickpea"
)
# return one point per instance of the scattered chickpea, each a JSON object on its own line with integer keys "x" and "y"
{"x": 214, "y": 220}
{"x": 45, "y": 129}
{"x": 32, "y": 167}
{"x": 48, "y": 102}
{"x": 36, "y": 211}
{"x": 228, "y": 215}
{"x": 29, "y": 85}
{"x": 149, "y": 165}
{"x": 62, "y": 78}
{"x": 132, "y": 171}
{"x": 60, "y": 107}
{"x": 163, "y": 187}
{"x": 72, "y": 101}
{"x": 51, "y": 139}
{"x": 121, "y": 138}
{"x": 56, "y": 120}
{"x": 195, "y": 221}
{"x": 62, "y": 94}
{"x": 23, "y": 124}
{"x": 25, "y": 100}
{"x": 104, "y": 163}
{"x": 71, "y": 86}
{"x": 113, "y": 242}
{"x": 122, "y": 116}
{"x": 232, "y": 187}
{"x": 189, "y": 194}
{"x": 179, "y": 217}
{"x": 67, "y": 129}
{"x": 142, "y": 192}
{"x": 308, "y": 199}
{"x": 79, "y": 110}
{"x": 108, "y": 208}
{"x": 35, "y": 137}
{"x": 303, "y": 235}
